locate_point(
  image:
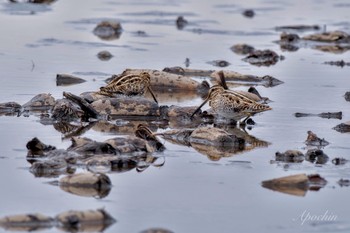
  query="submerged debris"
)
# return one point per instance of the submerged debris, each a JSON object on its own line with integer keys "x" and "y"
{"x": 333, "y": 42}
{"x": 296, "y": 185}
{"x": 289, "y": 38}
{"x": 67, "y": 79}
{"x": 219, "y": 63}
{"x": 181, "y": 22}
{"x": 343, "y": 127}
{"x": 344, "y": 182}
{"x": 242, "y": 49}
{"x": 42, "y": 101}
{"x": 340, "y": 63}
{"x": 316, "y": 156}
{"x": 289, "y": 42}
{"x": 334, "y": 36}
{"x": 156, "y": 230}
{"x": 27, "y": 222}
{"x": 49, "y": 168}
{"x": 290, "y": 156}
{"x": 66, "y": 111}
{"x": 339, "y": 161}
{"x": 262, "y": 57}
{"x": 10, "y": 108}
{"x": 37, "y": 148}
{"x": 211, "y": 141}
{"x": 334, "y": 48}
{"x": 89, "y": 111}
{"x": 108, "y": 30}
{"x": 347, "y": 96}
{"x": 301, "y": 28}
{"x": 313, "y": 140}
{"x": 35, "y": 1}
{"x": 90, "y": 220}
{"x": 86, "y": 184}
{"x": 104, "y": 55}
{"x": 249, "y": 13}
{"x": 328, "y": 115}
{"x": 71, "y": 221}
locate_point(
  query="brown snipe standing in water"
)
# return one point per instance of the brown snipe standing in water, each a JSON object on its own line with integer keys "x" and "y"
{"x": 132, "y": 84}
{"x": 231, "y": 105}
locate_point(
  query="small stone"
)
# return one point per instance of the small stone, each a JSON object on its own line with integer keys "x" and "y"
{"x": 344, "y": 182}
{"x": 316, "y": 156}
{"x": 108, "y": 30}
{"x": 220, "y": 63}
{"x": 181, "y": 22}
{"x": 104, "y": 55}
{"x": 262, "y": 58}
{"x": 339, "y": 161}
{"x": 248, "y": 13}
{"x": 289, "y": 37}
{"x": 242, "y": 49}
{"x": 290, "y": 156}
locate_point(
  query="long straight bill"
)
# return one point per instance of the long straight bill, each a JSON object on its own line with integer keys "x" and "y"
{"x": 154, "y": 97}
{"x": 205, "y": 101}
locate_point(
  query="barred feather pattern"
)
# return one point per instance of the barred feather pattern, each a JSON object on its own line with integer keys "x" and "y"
{"x": 127, "y": 85}
{"x": 229, "y": 103}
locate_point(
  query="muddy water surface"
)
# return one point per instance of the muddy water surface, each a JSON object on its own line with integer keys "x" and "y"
{"x": 191, "y": 192}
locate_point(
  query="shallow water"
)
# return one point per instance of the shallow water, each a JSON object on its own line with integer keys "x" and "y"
{"x": 190, "y": 193}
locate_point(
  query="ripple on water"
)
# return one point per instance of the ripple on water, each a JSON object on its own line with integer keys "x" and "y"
{"x": 24, "y": 8}
{"x": 53, "y": 41}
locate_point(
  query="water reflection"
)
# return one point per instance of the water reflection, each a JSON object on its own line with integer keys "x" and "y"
{"x": 14, "y": 7}
{"x": 296, "y": 185}
{"x": 70, "y": 221}
{"x": 215, "y": 143}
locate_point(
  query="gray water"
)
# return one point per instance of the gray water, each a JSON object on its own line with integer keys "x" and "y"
{"x": 190, "y": 193}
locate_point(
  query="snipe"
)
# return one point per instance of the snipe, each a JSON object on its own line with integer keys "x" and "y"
{"x": 133, "y": 84}
{"x": 231, "y": 105}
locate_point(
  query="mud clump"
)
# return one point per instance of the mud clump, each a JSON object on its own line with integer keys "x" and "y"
{"x": 316, "y": 156}
{"x": 108, "y": 30}
{"x": 339, "y": 161}
{"x": 67, "y": 79}
{"x": 263, "y": 58}
{"x": 343, "y": 127}
{"x": 291, "y": 156}
{"x": 181, "y": 22}
{"x": 242, "y": 49}
{"x": 249, "y": 13}
{"x": 104, "y": 55}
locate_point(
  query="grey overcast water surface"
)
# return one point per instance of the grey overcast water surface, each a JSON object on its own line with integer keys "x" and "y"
{"x": 190, "y": 193}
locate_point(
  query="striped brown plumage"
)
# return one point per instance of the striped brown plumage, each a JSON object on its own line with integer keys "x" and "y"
{"x": 231, "y": 104}
{"x": 133, "y": 84}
